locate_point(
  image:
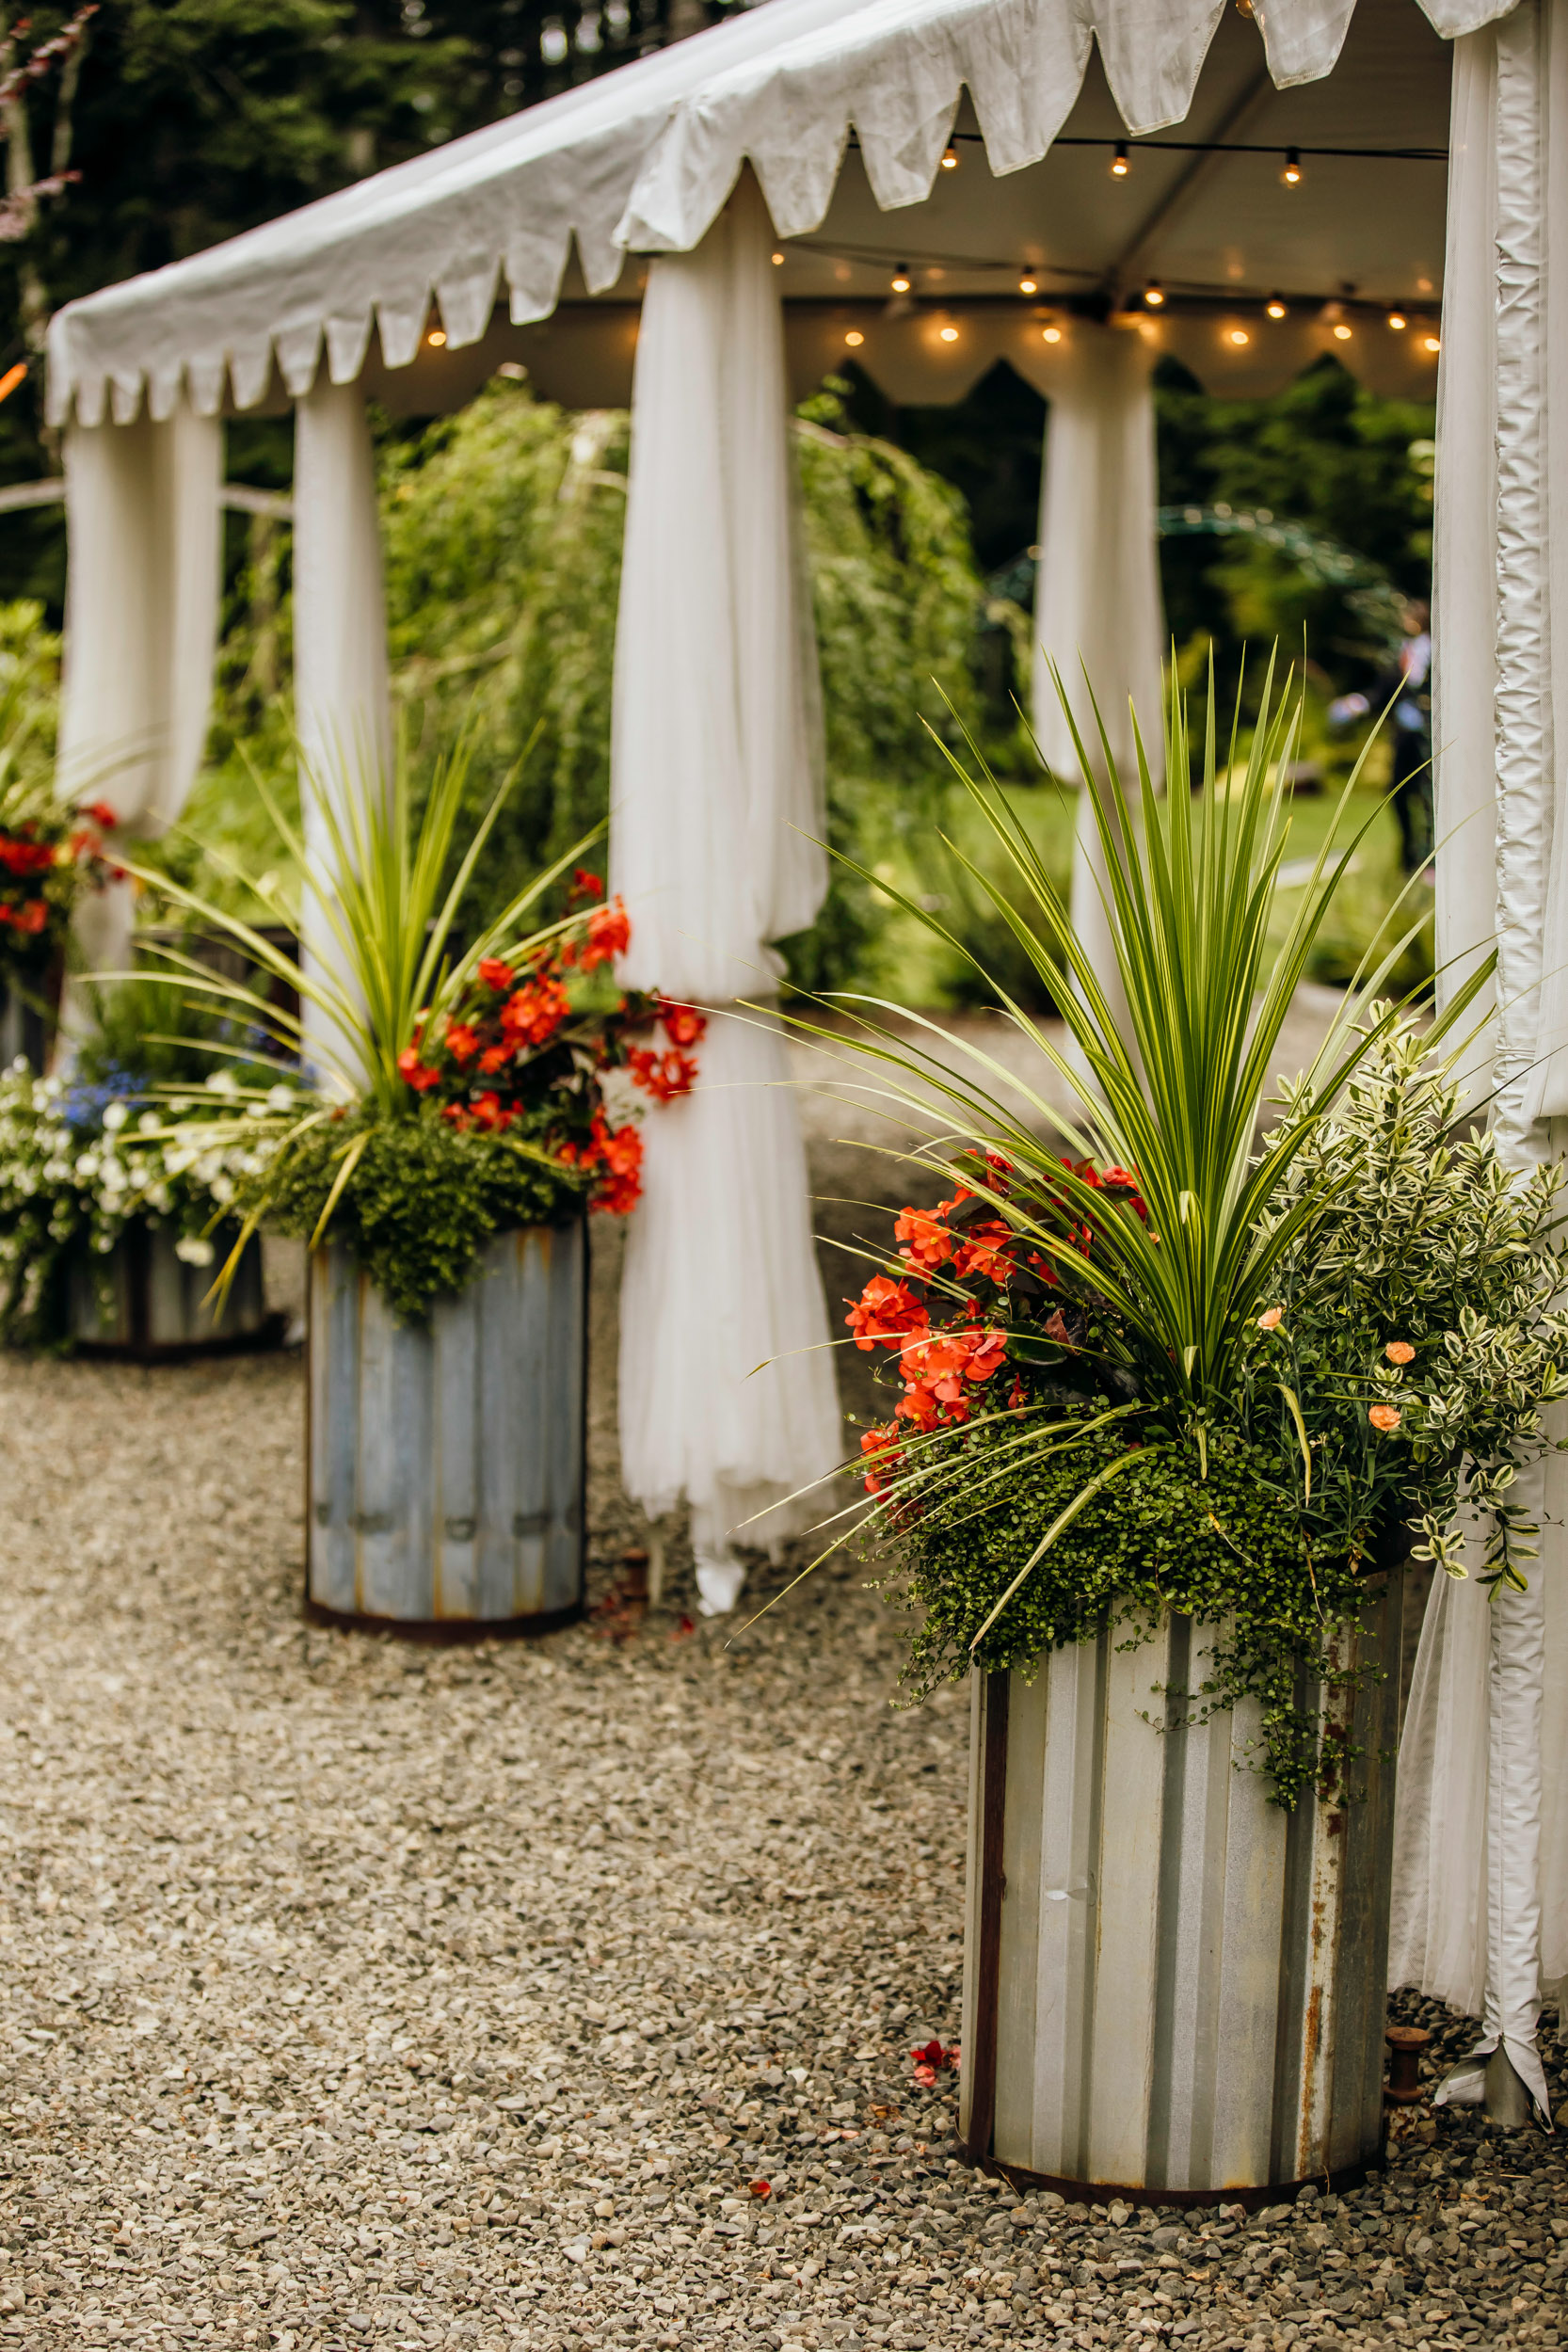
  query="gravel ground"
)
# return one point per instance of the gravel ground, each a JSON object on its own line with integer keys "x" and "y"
{"x": 365, "y": 1994}
{"x": 361, "y": 1995}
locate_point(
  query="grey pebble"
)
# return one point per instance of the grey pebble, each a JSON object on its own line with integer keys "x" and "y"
{"x": 356, "y": 1993}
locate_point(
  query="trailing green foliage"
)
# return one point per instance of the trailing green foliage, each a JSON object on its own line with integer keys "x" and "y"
{"x": 1228, "y": 1548}
{"x": 423, "y": 1202}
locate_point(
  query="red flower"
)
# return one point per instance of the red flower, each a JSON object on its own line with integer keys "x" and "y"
{"x": 927, "y": 1242}
{"x": 34, "y": 915}
{"x": 984, "y": 1252}
{"x": 621, "y": 1152}
{"x": 586, "y": 885}
{"x": 609, "y": 934}
{"x": 496, "y": 974}
{"x": 662, "y": 1076}
{"x": 101, "y": 814}
{"x": 683, "y": 1024}
{"x": 880, "y": 1442}
{"x": 21, "y": 854}
{"x": 987, "y": 1357}
{"x": 620, "y": 1155}
{"x": 413, "y": 1068}
{"x": 494, "y": 1058}
{"x": 885, "y": 1311}
{"x": 532, "y": 1014}
{"x": 462, "y": 1042}
{"x": 918, "y": 1404}
{"x": 931, "y": 2061}
{"x": 1122, "y": 1180}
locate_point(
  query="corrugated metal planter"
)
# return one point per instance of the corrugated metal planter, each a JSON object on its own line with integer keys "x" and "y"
{"x": 1172, "y": 1987}
{"x": 446, "y": 1464}
{"x": 141, "y": 1300}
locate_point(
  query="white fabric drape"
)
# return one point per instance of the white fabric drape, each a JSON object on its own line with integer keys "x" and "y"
{"x": 716, "y": 816}
{"x": 144, "y": 533}
{"x": 1480, "y": 1896}
{"x": 1097, "y": 607}
{"x": 343, "y": 712}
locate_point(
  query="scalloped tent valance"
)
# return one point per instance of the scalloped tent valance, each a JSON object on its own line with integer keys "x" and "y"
{"x": 641, "y": 161}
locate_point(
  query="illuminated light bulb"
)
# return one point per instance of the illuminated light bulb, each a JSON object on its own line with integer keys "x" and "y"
{"x": 1051, "y": 334}
{"x": 1291, "y": 175}
{"x": 1275, "y": 307}
{"x": 1119, "y": 165}
{"x": 1028, "y": 285}
{"x": 1238, "y": 335}
{"x": 1341, "y": 333}
{"x": 949, "y": 159}
{"x": 1154, "y": 294}
{"x": 436, "y": 338}
{"x": 855, "y": 339}
{"x": 1398, "y": 322}
{"x": 1431, "y": 342}
{"x": 778, "y": 260}
{"x": 949, "y": 334}
{"x": 900, "y": 280}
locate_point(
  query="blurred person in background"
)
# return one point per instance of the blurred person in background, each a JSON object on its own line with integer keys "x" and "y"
{"x": 1404, "y": 688}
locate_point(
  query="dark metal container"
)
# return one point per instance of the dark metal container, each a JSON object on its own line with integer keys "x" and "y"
{"x": 145, "y": 1302}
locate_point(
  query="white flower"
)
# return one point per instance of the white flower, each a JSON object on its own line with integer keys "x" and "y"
{"x": 281, "y": 1099}
{"x": 222, "y": 1082}
{"x": 115, "y": 1116}
{"x": 149, "y": 1123}
{"x": 194, "y": 1250}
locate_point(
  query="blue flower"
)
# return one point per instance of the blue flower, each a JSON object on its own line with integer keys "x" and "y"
{"x": 82, "y": 1107}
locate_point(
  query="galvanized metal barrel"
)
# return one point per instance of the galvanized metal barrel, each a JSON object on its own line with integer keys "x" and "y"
{"x": 446, "y": 1457}
{"x": 1173, "y": 1988}
{"x": 142, "y": 1300}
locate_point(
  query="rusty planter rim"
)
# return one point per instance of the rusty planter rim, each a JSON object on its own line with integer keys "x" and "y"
{"x": 267, "y": 1339}
{"x": 441, "y": 1633}
{"x": 1186, "y": 2200}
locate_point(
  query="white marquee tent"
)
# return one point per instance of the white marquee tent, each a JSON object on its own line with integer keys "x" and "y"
{"x": 704, "y": 232}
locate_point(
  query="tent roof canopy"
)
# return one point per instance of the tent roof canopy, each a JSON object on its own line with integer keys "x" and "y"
{"x": 844, "y": 108}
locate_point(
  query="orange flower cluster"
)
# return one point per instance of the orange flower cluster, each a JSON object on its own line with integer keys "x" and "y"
{"x": 530, "y": 1016}
{"x": 619, "y": 1154}
{"x": 942, "y": 1363}
{"x": 543, "y": 1058}
{"x": 608, "y": 935}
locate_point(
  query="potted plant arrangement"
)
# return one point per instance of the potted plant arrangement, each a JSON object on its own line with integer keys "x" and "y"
{"x": 464, "y": 1107}
{"x": 50, "y": 855}
{"x": 1178, "y": 1391}
{"x": 115, "y": 1203}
